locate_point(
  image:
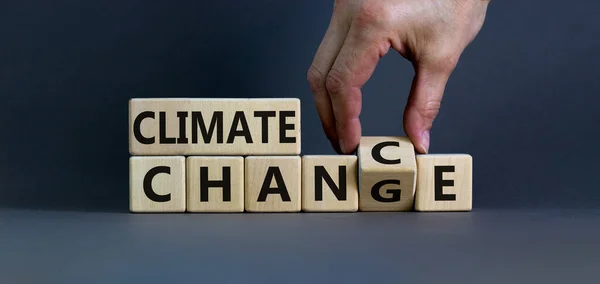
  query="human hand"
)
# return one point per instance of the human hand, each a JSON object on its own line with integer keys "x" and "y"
{"x": 432, "y": 34}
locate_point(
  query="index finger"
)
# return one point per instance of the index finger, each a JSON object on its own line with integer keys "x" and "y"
{"x": 324, "y": 58}
{"x": 352, "y": 68}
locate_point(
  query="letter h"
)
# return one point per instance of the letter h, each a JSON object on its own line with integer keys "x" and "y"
{"x": 205, "y": 184}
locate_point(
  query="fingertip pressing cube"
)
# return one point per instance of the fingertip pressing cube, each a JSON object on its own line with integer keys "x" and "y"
{"x": 273, "y": 184}
{"x": 329, "y": 183}
{"x": 444, "y": 182}
{"x": 387, "y": 173}
{"x": 157, "y": 184}
{"x": 215, "y": 184}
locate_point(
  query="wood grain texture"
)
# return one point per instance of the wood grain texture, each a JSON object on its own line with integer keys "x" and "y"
{"x": 161, "y": 178}
{"x": 214, "y": 126}
{"x": 387, "y": 173}
{"x": 317, "y": 174}
{"x": 222, "y": 179}
{"x": 451, "y": 175}
{"x": 273, "y": 184}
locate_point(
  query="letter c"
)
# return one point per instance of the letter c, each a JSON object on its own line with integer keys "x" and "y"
{"x": 137, "y": 124}
{"x": 376, "y": 153}
{"x": 148, "y": 184}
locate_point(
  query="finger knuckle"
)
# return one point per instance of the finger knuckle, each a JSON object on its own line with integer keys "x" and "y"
{"x": 316, "y": 79}
{"x": 335, "y": 82}
{"x": 429, "y": 109}
{"x": 373, "y": 13}
{"x": 445, "y": 61}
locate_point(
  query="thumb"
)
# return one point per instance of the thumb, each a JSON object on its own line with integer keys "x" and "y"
{"x": 424, "y": 104}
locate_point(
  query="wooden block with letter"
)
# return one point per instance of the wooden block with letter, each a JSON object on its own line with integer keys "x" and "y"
{"x": 387, "y": 173}
{"x": 214, "y": 126}
{"x": 157, "y": 184}
{"x": 215, "y": 184}
{"x": 272, "y": 184}
{"x": 444, "y": 182}
{"x": 329, "y": 183}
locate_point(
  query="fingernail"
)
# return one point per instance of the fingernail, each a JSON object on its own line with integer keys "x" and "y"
{"x": 425, "y": 141}
{"x": 342, "y": 147}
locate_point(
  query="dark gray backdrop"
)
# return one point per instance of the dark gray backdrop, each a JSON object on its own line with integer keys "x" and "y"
{"x": 523, "y": 100}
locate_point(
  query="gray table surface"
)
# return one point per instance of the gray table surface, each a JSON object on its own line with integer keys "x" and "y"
{"x": 483, "y": 246}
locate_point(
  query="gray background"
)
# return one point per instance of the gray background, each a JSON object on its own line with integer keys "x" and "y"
{"x": 522, "y": 101}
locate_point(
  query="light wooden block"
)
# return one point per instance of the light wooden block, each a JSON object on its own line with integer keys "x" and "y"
{"x": 444, "y": 182}
{"x": 329, "y": 183}
{"x": 215, "y": 184}
{"x": 273, "y": 184}
{"x": 387, "y": 173}
{"x": 157, "y": 184}
{"x": 214, "y": 126}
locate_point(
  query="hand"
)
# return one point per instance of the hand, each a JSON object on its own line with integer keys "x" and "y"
{"x": 432, "y": 34}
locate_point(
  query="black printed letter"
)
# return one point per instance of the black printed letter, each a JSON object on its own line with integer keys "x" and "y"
{"x": 205, "y": 184}
{"x": 283, "y": 126}
{"x": 266, "y": 189}
{"x": 238, "y": 118}
{"x": 264, "y": 115}
{"x": 163, "y": 129}
{"x": 395, "y": 192}
{"x": 440, "y": 182}
{"x": 216, "y": 122}
{"x": 182, "y": 135}
{"x": 137, "y": 125}
{"x": 148, "y": 184}
{"x": 321, "y": 174}
{"x": 376, "y": 153}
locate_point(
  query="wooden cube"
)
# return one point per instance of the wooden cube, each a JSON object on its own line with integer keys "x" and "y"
{"x": 387, "y": 173}
{"x": 215, "y": 184}
{"x": 329, "y": 183}
{"x": 444, "y": 182}
{"x": 157, "y": 184}
{"x": 214, "y": 126}
{"x": 273, "y": 184}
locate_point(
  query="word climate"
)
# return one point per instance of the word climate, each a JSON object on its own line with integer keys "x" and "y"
{"x": 215, "y": 127}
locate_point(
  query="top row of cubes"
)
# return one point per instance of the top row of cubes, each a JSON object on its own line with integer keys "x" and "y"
{"x": 214, "y": 126}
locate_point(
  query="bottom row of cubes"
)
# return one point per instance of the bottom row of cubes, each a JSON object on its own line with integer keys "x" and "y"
{"x": 337, "y": 183}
